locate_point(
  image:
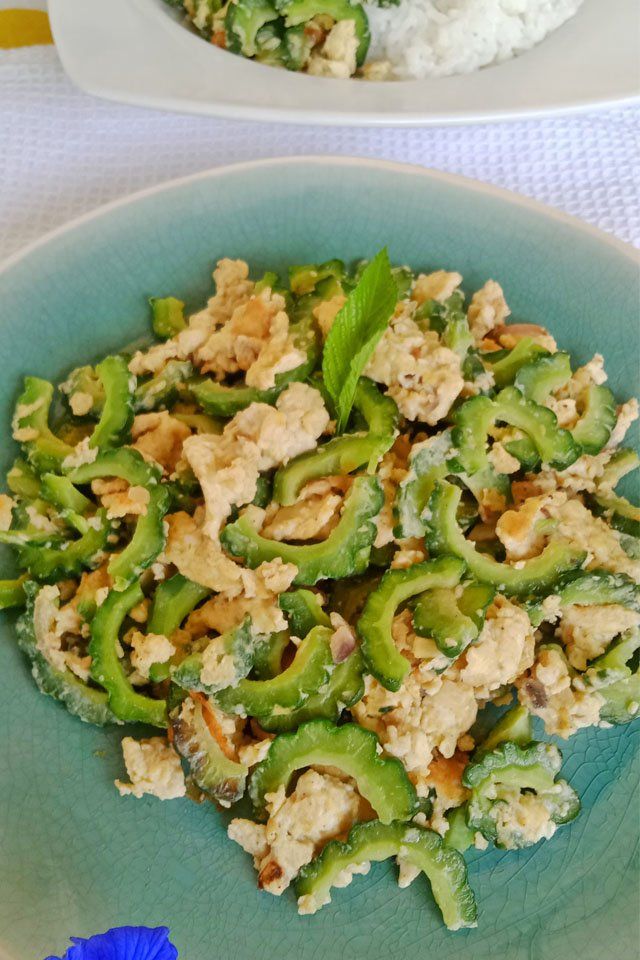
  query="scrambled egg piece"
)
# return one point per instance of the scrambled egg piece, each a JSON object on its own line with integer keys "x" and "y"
{"x": 586, "y": 632}
{"x": 82, "y": 453}
{"x": 411, "y": 551}
{"x": 326, "y": 312}
{"x": 445, "y": 776}
{"x": 80, "y": 403}
{"x": 592, "y": 372}
{"x": 422, "y": 376}
{"x": 57, "y": 629}
{"x": 627, "y": 414}
{"x": 23, "y": 410}
{"x": 257, "y": 438}
{"x": 153, "y": 767}
{"x": 119, "y": 499}
{"x": 256, "y": 340}
{"x": 509, "y": 336}
{"x": 337, "y": 58}
{"x": 233, "y": 288}
{"x": 504, "y": 649}
{"x": 314, "y": 514}
{"x": 578, "y": 525}
{"x": 546, "y": 691}
{"x": 320, "y": 808}
{"x": 6, "y": 508}
{"x": 582, "y": 476}
{"x": 201, "y": 559}
{"x": 439, "y": 286}
{"x": 521, "y": 819}
{"x": 158, "y": 436}
{"x": 258, "y": 599}
{"x": 501, "y": 460}
{"x": 524, "y": 531}
{"x": 391, "y": 472}
{"x": 147, "y": 649}
{"x": 488, "y": 309}
{"x": 198, "y": 557}
{"x": 422, "y": 716}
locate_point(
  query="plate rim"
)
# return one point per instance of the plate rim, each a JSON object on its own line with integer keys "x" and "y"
{"x": 333, "y": 115}
{"x": 626, "y": 249}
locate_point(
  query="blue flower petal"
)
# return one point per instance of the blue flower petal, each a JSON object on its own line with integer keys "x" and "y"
{"x": 123, "y": 943}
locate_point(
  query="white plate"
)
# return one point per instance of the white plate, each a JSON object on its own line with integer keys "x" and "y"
{"x": 138, "y": 52}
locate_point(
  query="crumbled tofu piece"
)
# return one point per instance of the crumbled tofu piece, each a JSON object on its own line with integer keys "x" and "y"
{"x": 326, "y": 312}
{"x": 337, "y": 58}
{"x": 488, "y": 309}
{"x": 147, "y": 649}
{"x": 80, "y": 403}
{"x": 439, "y": 286}
{"x": 586, "y": 632}
{"x": 546, "y": 691}
{"x": 422, "y": 376}
{"x": 320, "y": 808}
{"x": 159, "y": 437}
{"x": 257, "y": 438}
{"x": 6, "y": 509}
{"x": 504, "y": 649}
{"x": 153, "y": 767}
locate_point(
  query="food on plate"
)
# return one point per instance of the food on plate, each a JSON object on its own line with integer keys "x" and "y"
{"x": 314, "y": 534}
{"x": 377, "y": 39}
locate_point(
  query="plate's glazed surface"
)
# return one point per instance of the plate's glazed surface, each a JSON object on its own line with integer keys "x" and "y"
{"x": 75, "y": 857}
{"x": 142, "y": 54}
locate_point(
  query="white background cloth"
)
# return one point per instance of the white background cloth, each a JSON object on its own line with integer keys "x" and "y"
{"x": 63, "y": 153}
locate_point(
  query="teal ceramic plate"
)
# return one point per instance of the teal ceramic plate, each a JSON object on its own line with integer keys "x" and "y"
{"x": 75, "y": 857}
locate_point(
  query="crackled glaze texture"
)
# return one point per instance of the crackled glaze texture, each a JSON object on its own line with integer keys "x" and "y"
{"x": 75, "y": 857}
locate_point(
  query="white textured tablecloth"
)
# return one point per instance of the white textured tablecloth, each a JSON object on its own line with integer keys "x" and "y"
{"x": 63, "y": 153}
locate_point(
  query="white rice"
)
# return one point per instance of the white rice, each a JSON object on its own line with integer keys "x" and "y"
{"x": 436, "y": 38}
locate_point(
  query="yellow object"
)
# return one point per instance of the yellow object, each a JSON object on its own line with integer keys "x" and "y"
{"x": 24, "y": 28}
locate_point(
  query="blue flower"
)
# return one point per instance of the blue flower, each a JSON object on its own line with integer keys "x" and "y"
{"x": 123, "y": 943}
